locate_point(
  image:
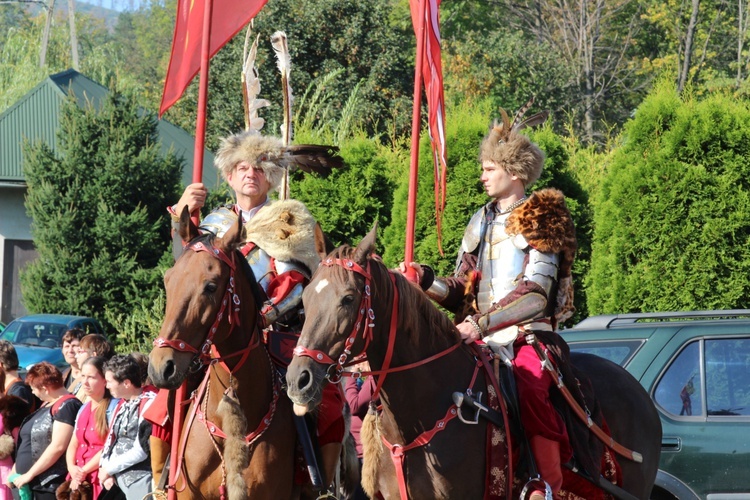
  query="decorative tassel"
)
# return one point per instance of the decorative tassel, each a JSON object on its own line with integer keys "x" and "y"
{"x": 372, "y": 446}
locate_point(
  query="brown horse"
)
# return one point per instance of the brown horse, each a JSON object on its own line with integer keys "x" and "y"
{"x": 238, "y": 435}
{"x": 420, "y": 361}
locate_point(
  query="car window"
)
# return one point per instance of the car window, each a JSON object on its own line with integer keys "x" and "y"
{"x": 679, "y": 391}
{"x": 728, "y": 377}
{"x": 617, "y": 351}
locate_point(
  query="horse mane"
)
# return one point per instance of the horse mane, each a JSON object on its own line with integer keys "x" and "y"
{"x": 426, "y": 314}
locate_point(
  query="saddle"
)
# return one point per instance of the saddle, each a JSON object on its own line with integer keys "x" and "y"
{"x": 588, "y": 450}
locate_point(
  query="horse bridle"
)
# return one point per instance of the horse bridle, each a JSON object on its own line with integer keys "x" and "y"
{"x": 365, "y": 322}
{"x": 207, "y": 353}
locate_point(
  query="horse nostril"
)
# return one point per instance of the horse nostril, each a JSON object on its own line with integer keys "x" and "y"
{"x": 169, "y": 369}
{"x": 304, "y": 380}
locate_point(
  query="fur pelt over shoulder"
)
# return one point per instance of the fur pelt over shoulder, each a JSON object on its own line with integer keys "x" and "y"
{"x": 545, "y": 222}
{"x": 286, "y": 231}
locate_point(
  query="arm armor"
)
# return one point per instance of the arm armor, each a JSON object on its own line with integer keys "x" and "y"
{"x": 272, "y": 312}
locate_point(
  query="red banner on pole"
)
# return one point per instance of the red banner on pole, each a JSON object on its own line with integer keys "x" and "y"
{"x": 228, "y": 17}
{"x": 432, "y": 75}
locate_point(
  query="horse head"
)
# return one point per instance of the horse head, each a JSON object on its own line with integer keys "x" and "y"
{"x": 338, "y": 315}
{"x": 201, "y": 301}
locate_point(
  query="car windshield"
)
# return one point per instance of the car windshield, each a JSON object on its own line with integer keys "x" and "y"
{"x": 34, "y": 333}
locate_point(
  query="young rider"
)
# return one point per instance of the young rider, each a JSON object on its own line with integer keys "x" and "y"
{"x": 513, "y": 270}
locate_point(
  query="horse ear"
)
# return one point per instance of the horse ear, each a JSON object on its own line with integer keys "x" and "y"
{"x": 233, "y": 237}
{"x": 186, "y": 229}
{"x": 321, "y": 242}
{"x": 367, "y": 245}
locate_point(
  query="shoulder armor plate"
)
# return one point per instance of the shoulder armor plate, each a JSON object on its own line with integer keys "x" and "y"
{"x": 473, "y": 232}
{"x": 219, "y": 221}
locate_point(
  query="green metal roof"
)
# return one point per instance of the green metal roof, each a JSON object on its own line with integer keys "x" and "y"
{"x": 36, "y": 117}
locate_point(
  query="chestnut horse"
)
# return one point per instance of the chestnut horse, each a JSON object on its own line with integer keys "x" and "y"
{"x": 238, "y": 437}
{"x": 354, "y": 305}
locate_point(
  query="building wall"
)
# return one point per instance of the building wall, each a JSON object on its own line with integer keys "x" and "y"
{"x": 15, "y": 248}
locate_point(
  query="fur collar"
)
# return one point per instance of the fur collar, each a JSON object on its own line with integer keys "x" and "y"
{"x": 285, "y": 230}
{"x": 545, "y": 222}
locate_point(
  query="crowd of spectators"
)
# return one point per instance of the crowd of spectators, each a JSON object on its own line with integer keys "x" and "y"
{"x": 77, "y": 433}
{"x": 80, "y": 433}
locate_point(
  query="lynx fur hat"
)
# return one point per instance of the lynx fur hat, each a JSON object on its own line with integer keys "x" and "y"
{"x": 261, "y": 151}
{"x": 514, "y": 152}
{"x": 270, "y": 154}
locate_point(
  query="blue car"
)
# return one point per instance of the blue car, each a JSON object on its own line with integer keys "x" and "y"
{"x": 38, "y": 337}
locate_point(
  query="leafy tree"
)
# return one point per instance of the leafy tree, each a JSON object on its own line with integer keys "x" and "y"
{"x": 507, "y": 67}
{"x": 598, "y": 42}
{"x": 19, "y": 58}
{"x": 671, "y": 224}
{"x": 325, "y": 36}
{"x": 97, "y": 208}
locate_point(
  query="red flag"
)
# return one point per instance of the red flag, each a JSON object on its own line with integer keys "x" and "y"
{"x": 227, "y": 18}
{"x": 432, "y": 74}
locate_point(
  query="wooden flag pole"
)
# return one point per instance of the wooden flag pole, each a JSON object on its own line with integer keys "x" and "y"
{"x": 200, "y": 141}
{"x": 411, "y": 211}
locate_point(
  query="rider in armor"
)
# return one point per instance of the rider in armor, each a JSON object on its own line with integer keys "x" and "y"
{"x": 512, "y": 279}
{"x": 280, "y": 249}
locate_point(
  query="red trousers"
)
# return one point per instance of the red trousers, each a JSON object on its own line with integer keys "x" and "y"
{"x": 330, "y": 415}
{"x": 538, "y": 416}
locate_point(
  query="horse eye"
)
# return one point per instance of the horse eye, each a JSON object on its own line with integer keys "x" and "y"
{"x": 209, "y": 288}
{"x": 347, "y": 300}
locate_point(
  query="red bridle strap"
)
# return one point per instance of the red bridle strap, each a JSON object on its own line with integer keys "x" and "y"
{"x": 398, "y": 450}
{"x": 208, "y": 352}
{"x": 365, "y": 320}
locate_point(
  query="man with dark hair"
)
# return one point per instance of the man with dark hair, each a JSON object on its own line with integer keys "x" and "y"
{"x": 126, "y": 453}
{"x": 70, "y": 342}
{"x": 14, "y": 385}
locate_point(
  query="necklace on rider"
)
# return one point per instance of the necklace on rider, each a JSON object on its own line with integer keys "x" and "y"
{"x": 512, "y": 206}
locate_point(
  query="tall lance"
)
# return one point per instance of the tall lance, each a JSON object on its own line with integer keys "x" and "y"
{"x": 200, "y": 141}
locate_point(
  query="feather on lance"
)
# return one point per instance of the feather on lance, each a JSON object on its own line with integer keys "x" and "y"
{"x": 281, "y": 48}
{"x": 251, "y": 86}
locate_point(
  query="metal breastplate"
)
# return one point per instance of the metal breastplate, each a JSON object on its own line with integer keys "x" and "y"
{"x": 501, "y": 262}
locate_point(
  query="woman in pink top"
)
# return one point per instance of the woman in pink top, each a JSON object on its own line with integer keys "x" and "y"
{"x": 91, "y": 427}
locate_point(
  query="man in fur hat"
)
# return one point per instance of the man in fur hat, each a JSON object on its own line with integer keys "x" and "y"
{"x": 280, "y": 245}
{"x": 512, "y": 278}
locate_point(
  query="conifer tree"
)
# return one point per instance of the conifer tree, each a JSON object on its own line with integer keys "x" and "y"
{"x": 672, "y": 230}
{"x": 97, "y": 209}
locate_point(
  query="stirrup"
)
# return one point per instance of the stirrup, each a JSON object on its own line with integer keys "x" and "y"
{"x": 157, "y": 495}
{"x": 326, "y": 495}
{"x": 534, "y": 483}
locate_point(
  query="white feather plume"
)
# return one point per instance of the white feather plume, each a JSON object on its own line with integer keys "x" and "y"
{"x": 251, "y": 86}
{"x": 284, "y": 62}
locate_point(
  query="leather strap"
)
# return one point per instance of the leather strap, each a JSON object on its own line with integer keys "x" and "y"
{"x": 548, "y": 366}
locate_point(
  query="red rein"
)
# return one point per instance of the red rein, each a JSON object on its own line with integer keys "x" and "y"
{"x": 209, "y": 355}
{"x": 336, "y": 368}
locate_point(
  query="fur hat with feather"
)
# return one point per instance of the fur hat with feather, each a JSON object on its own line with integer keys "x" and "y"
{"x": 260, "y": 151}
{"x": 270, "y": 154}
{"x": 514, "y": 152}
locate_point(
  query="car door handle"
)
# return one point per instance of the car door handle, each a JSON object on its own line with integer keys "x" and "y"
{"x": 671, "y": 444}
